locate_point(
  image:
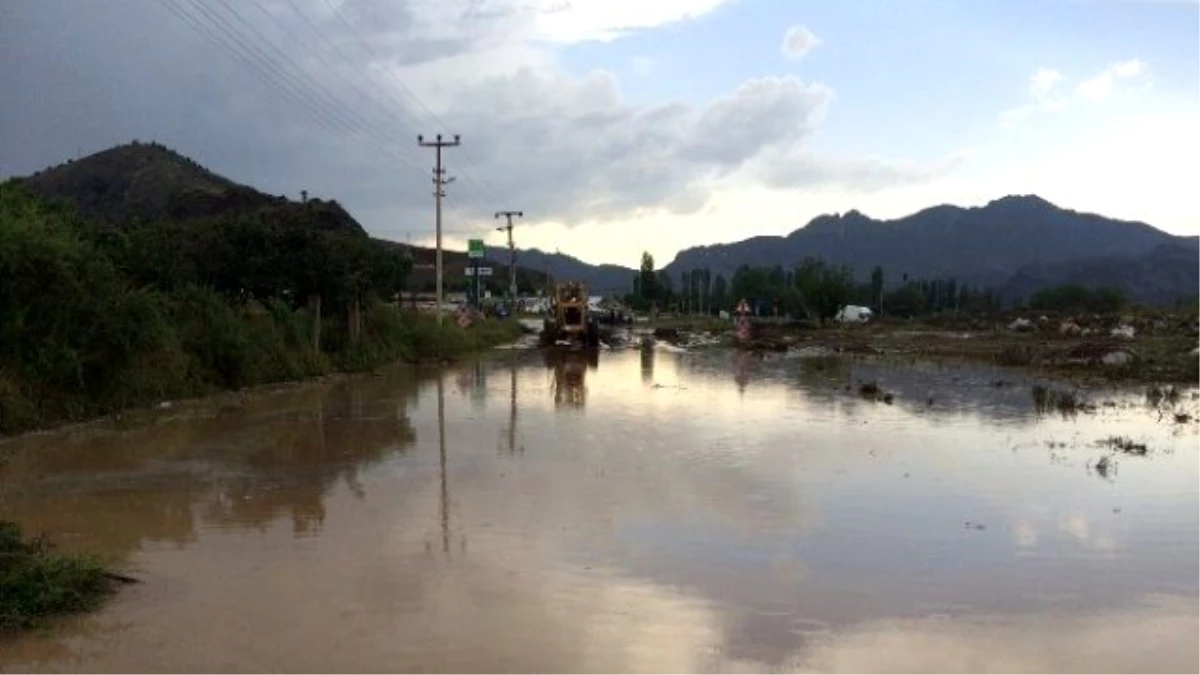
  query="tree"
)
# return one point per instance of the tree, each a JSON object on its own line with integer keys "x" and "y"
{"x": 877, "y": 288}
{"x": 907, "y": 301}
{"x": 665, "y": 292}
{"x": 685, "y": 284}
{"x": 719, "y": 291}
{"x": 647, "y": 282}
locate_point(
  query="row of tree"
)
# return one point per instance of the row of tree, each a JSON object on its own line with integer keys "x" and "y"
{"x": 813, "y": 289}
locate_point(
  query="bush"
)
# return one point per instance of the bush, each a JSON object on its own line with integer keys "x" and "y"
{"x": 36, "y": 583}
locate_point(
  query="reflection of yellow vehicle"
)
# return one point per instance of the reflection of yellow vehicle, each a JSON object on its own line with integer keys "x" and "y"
{"x": 570, "y": 370}
{"x": 570, "y": 317}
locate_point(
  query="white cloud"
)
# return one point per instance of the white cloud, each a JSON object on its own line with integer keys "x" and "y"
{"x": 603, "y": 20}
{"x": 1046, "y": 94}
{"x": 1043, "y": 80}
{"x": 798, "y": 41}
{"x": 1101, "y": 85}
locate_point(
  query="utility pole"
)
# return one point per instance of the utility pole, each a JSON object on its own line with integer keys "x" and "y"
{"x": 512, "y": 256}
{"x": 439, "y": 191}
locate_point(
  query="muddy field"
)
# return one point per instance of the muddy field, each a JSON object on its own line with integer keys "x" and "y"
{"x": 1146, "y": 348}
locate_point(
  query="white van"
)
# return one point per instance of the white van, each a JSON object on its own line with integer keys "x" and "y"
{"x": 854, "y": 314}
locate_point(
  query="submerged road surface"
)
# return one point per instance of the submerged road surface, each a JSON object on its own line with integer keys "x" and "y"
{"x": 651, "y": 510}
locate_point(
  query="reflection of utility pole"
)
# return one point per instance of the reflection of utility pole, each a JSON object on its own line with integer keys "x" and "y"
{"x": 512, "y": 408}
{"x": 445, "y": 501}
{"x": 439, "y": 191}
{"x": 512, "y": 255}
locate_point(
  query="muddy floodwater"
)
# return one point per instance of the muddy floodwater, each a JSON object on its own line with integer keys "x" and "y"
{"x": 649, "y": 510}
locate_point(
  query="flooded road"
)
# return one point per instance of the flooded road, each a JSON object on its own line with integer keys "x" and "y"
{"x": 650, "y": 510}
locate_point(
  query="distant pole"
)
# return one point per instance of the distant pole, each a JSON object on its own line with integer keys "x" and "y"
{"x": 512, "y": 255}
{"x": 439, "y": 191}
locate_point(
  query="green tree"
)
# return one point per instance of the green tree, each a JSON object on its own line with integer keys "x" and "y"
{"x": 719, "y": 296}
{"x": 877, "y": 288}
{"x": 647, "y": 281}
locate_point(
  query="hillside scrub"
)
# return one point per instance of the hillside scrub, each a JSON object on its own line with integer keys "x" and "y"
{"x": 95, "y": 319}
{"x": 37, "y": 583}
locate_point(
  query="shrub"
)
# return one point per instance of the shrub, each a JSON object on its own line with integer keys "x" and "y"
{"x": 37, "y": 583}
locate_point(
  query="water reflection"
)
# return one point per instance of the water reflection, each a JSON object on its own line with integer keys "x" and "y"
{"x": 711, "y": 511}
{"x": 570, "y": 367}
{"x": 647, "y": 360}
{"x": 512, "y": 406}
{"x": 242, "y": 466}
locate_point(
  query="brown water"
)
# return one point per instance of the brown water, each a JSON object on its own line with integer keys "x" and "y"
{"x": 654, "y": 511}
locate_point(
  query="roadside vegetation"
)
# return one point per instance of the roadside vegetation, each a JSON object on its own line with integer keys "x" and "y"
{"x": 36, "y": 583}
{"x": 97, "y": 316}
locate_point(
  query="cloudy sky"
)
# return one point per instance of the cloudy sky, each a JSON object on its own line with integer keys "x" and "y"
{"x": 627, "y": 125}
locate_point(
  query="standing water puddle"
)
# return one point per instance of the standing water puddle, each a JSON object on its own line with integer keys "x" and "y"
{"x": 646, "y": 511}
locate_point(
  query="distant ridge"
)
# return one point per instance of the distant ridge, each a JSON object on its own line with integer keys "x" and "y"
{"x": 981, "y": 244}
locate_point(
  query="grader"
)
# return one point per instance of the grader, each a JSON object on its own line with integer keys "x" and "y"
{"x": 570, "y": 317}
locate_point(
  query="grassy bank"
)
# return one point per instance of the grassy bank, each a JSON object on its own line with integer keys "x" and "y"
{"x": 100, "y": 317}
{"x": 36, "y": 583}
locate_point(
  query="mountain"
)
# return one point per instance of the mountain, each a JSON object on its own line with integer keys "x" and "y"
{"x": 600, "y": 279}
{"x": 148, "y": 181}
{"x": 1162, "y": 276}
{"x": 985, "y": 245}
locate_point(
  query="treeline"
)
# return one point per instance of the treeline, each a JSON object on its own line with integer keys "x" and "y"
{"x": 1073, "y": 297}
{"x": 96, "y": 317}
{"x": 813, "y": 289}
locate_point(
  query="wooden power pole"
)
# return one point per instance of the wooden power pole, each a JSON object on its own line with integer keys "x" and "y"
{"x": 512, "y": 256}
{"x": 439, "y": 191}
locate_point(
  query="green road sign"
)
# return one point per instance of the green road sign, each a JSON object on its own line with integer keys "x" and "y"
{"x": 474, "y": 248}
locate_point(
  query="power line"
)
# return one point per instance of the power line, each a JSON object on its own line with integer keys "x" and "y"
{"x": 277, "y": 71}
{"x": 399, "y": 115}
{"x": 360, "y": 123}
{"x": 407, "y": 92}
{"x": 238, "y": 52}
{"x": 326, "y": 111}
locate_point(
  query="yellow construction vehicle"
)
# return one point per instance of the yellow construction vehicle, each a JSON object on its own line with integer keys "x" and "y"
{"x": 570, "y": 317}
